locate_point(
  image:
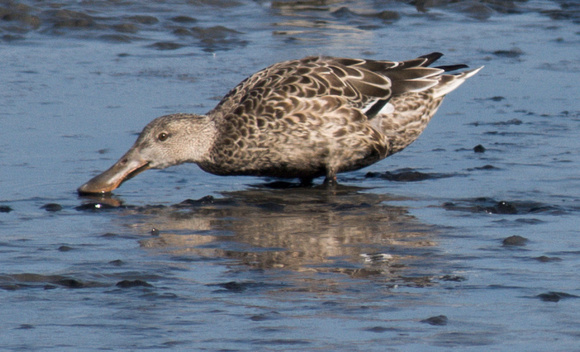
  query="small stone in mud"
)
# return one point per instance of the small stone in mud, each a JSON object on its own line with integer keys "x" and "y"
{"x": 486, "y": 167}
{"x": 546, "y": 259}
{"x": 509, "y": 122}
{"x": 455, "y": 278}
{"x": 479, "y": 149}
{"x": 133, "y": 283}
{"x": 52, "y": 207}
{"x": 343, "y": 12}
{"x": 10, "y": 287}
{"x": 5, "y": 209}
{"x": 183, "y": 19}
{"x": 439, "y": 320}
{"x": 377, "y": 329}
{"x": 449, "y": 205}
{"x": 233, "y": 286}
{"x": 166, "y": 46}
{"x": 515, "y": 241}
{"x": 512, "y": 53}
{"x": 25, "y": 327}
{"x": 504, "y": 207}
{"x": 554, "y": 296}
{"x": 181, "y": 31}
{"x": 264, "y": 316}
{"x": 194, "y": 202}
{"x": 71, "y": 283}
{"x": 65, "y": 248}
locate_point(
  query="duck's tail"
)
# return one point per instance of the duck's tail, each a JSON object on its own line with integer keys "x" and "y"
{"x": 449, "y": 82}
{"x": 406, "y": 115}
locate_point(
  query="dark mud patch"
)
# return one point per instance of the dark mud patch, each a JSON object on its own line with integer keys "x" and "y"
{"x": 484, "y": 168}
{"x": 5, "y": 209}
{"x": 514, "y": 241}
{"x": 30, "y": 280}
{"x": 128, "y": 22}
{"x": 52, "y": 207}
{"x": 513, "y": 53}
{"x": 479, "y": 149}
{"x": 547, "y": 259}
{"x": 379, "y": 329}
{"x": 133, "y": 283}
{"x": 239, "y": 286}
{"x": 407, "y": 175}
{"x": 166, "y": 46}
{"x": 13, "y": 282}
{"x": 211, "y": 39}
{"x": 510, "y": 122}
{"x": 554, "y": 296}
{"x": 453, "y": 278}
{"x": 439, "y": 320}
{"x": 492, "y": 206}
{"x": 386, "y": 16}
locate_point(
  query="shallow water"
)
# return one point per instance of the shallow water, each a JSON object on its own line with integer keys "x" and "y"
{"x": 437, "y": 247}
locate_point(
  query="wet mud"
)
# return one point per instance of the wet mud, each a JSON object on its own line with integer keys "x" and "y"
{"x": 298, "y": 20}
{"x": 468, "y": 239}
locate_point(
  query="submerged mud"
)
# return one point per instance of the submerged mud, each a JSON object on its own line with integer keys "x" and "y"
{"x": 296, "y": 20}
{"x": 341, "y": 232}
{"x": 468, "y": 239}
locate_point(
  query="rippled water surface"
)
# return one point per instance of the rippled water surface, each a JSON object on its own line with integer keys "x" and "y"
{"x": 466, "y": 240}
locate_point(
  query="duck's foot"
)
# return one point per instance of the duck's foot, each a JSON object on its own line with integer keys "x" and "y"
{"x": 330, "y": 181}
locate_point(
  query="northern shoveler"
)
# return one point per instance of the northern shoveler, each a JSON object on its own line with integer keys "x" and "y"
{"x": 303, "y": 119}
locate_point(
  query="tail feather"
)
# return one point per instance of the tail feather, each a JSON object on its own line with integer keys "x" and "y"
{"x": 406, "y": 115}
{"x": 448, "y": 83}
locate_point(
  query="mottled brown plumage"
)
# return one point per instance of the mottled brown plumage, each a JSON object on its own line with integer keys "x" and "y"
{"x": 306, "y": 118}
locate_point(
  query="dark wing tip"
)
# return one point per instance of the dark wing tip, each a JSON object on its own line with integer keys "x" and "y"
{"x": 448, "y": 68}
{"x": 431, "y": 58}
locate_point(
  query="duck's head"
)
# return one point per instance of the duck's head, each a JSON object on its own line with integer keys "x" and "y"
{"x": 166, "y": 141}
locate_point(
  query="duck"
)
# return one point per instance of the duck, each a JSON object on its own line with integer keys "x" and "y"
{"x": 299, "y": 119}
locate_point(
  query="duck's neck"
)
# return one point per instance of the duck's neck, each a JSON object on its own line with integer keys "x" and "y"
{"x": 197, "y": 148}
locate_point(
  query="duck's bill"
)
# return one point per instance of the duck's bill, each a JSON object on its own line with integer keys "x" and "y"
{"x": 126, "y": 168}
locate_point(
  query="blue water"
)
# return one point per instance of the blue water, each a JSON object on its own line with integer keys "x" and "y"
{"x": 361, "y": 268}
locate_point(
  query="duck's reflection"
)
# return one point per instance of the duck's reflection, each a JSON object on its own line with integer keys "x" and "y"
{"x": 302, "y": 229}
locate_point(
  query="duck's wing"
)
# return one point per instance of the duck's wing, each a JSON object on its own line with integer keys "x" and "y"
{"x": 308, "y": 117}
{"x": 361, "y": 84}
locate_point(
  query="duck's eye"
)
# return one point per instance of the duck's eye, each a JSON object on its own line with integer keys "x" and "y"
{"x": 162, "y": 137}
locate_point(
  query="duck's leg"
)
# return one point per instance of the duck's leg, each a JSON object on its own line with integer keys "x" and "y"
{"x": 306, "y": 182}
{"x": 330, "y": 180}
